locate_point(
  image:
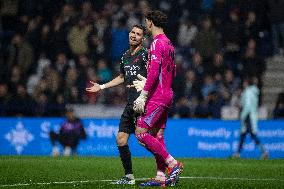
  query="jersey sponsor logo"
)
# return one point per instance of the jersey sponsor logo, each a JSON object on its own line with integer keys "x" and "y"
{"x": 131, "y": 69}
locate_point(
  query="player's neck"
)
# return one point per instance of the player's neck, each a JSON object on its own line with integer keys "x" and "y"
{"x": 135, "y": 49}
{"x": 157, "y": 31}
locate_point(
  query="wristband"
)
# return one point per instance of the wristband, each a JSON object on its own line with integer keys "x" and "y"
{"x": 102, "y": 86}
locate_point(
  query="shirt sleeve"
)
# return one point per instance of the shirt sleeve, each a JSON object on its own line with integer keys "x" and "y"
{"x": 143, "y": 65}
{"x": 155, "y": 63}
{"x": 122, "y": 71}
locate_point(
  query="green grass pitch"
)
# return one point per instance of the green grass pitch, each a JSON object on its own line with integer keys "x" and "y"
{"x": 95, "y": 172}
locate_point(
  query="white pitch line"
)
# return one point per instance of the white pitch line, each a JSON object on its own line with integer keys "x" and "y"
{"x": 139, "y": 179}
{"x": 234, "y": 178}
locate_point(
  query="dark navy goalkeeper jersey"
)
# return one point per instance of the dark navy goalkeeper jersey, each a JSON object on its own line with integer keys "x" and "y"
{"x": 130, "y": 67}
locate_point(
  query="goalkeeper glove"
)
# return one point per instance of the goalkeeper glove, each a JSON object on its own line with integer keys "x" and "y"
{"x": 139, "y": 84}
{"x": 139, "y": 103}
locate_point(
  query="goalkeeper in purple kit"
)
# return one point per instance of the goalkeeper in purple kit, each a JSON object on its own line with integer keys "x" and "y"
{"x": 155, "y": 99}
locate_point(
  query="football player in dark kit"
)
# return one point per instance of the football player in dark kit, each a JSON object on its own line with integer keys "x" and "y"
{"x": 133, "y": 63}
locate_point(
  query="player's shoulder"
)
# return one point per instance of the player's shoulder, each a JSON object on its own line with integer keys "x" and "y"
{"x": 144, "y": 51}
{"x": 125, "y": 54}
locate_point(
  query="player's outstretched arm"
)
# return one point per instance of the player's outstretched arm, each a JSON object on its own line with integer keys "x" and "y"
{"x": 96, "y": 87}
{"x": 93, "y": 89}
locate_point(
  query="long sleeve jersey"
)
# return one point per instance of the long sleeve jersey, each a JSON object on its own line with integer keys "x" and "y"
{"x": 161, "y": 71}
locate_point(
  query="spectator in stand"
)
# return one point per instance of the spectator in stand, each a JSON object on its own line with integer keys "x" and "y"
{"x": 218, "y": 67}
{"x": 103, "y": 72}
{"x": 206, "y": 41}
{"x": 4, "y": 99}
{"x": 16, "y": 77}
{"x": 197, "y": 67}
{"x": 232, "y": 36}
{"x": 21, "y": 104}
{"x": 186, "y": 34}
{"x": 182, "y": 109}
{"x": 230, "y": 82}
{"x": 276, "y": 15}
{"x": 77, "y": 37}
{"x": 20, "y": 54}
{"x": 253, "y": 65}
{"x": 251, "y": 27}
{"x": 278, "y": 112}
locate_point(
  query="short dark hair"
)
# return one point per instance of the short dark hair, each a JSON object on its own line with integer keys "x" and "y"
{"x": 158, "y": 18}
{"x": 140, "y": 27}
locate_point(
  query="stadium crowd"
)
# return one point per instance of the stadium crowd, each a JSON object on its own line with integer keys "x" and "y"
{"x": 50, "y": 50}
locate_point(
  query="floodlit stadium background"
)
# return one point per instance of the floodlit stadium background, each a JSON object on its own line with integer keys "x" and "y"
{"x": 51, "y": 50}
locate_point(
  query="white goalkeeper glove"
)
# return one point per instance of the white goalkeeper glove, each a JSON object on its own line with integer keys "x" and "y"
{"x": 139, "y": 84}
{"x": 139, "y": 103}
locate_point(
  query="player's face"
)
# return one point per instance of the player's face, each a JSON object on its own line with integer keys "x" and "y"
{"x": 135, "y": 36}
{"x": 148, "y": 24}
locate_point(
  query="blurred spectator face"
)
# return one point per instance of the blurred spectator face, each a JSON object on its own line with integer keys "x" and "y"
{"x": 218, "y": 59}
{"x": 91, "y": 74}
{"x": 250, "y": 53}
{"x": 245, "y": 83}
{"x": 83, "y": 60}
{"x": 234, "y": 15}
{"x": 17, "y": 39}
{"x": 24, "y": 19}
{"x": 82, "y": 23}
{"x": 3, "y": 90}
{"x": 229, "y": 76}
{"x": 60, "y": 99}
{"x": 197, "y": 59}
{"x": 16, "y": 74}
{"x": 45, "y": 30}
{"x": 128, "y": 7}
{"x": 190, "y": 75}
{"x": 61, "y": 58}
{"x": 67, "y": 10}
{"x": 71, "y": 75}
{"x": 208, "y": 80}
{"x": 144, "y": 6}
{"x": 21, "y": 90}
{"x": 102, "y": 64}
{"x": 251, "y": 16}
{"x": 251, "y": 44}
{"x": 86, "y": 7}
{"x": 135, "y": 36}
{"x": 206, "y": 24}
{"x": 42, "y": 99}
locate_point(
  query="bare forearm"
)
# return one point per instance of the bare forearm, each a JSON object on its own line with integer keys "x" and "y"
{"x": 116, "y": 81}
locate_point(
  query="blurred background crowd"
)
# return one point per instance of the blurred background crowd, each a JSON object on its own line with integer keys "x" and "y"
{"x": 50, "y": 50}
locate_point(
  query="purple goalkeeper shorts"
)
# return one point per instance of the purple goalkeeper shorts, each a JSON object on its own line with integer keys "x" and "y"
{"x": 155, "y": 116}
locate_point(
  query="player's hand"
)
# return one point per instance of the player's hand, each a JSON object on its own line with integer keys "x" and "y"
{"x": 139, "y": 84}
{"x": 139, "y": 103}
{"x": 95, "y": 88}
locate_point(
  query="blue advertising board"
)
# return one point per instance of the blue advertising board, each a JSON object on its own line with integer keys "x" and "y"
{"x": 184, "y": 138}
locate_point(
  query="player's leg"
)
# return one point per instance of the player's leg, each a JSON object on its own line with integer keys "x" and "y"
{"x": 53, "y": 138}
{"x": 153, "y": 117}
{"x": 124, "y": 152}
{"x": 126, "y": 127}
{"x": 252, "y": 128}
{"x": 243, "y": 133}
{"x": 161, "y": 165}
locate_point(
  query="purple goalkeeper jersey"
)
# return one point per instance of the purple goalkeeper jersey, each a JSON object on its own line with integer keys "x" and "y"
{"x": 161, "y": 71}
